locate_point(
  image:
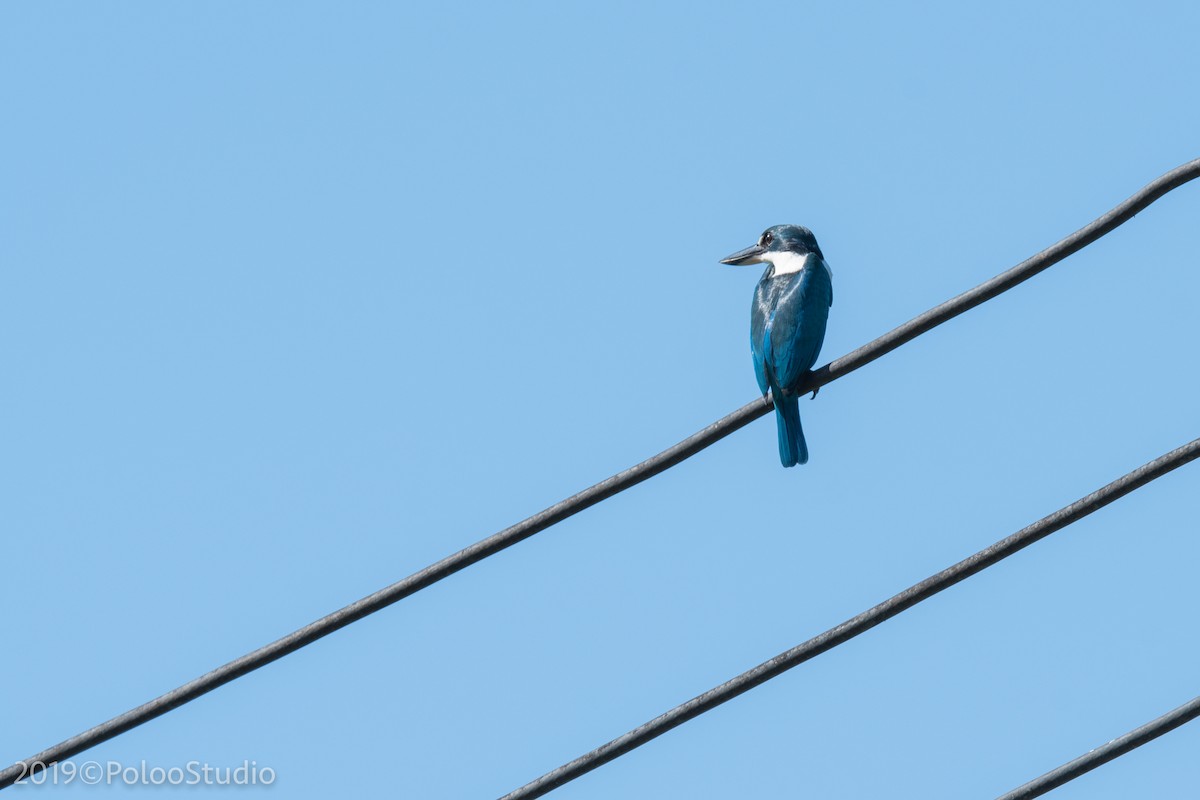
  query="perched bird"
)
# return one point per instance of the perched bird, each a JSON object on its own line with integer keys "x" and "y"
{"x": 787, "y": 323}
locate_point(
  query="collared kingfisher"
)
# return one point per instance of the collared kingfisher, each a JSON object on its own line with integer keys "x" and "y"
{"x": 787, "y": 323}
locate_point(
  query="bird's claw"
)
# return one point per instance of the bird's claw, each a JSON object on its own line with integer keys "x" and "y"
{"x": 814, "y": 394}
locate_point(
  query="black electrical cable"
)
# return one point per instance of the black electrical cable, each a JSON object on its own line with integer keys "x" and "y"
{"x": 859, "y": 624}
{"x": 1107, "y": 752}
{"x": 604, "y": 489}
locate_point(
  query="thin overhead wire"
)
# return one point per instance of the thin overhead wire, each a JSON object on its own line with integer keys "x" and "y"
{"x": 1107, "y": 752}
{"x": 858, "y": 624}
{"x": 605, "y": 488}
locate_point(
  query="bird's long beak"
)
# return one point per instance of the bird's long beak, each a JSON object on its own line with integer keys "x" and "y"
{"x": 751, "y": 255}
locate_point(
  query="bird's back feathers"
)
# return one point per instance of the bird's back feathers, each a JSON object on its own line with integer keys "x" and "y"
{"x": 787, "y": 329}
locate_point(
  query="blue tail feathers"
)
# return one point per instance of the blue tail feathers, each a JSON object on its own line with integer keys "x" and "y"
{"x": 792, "y": 448}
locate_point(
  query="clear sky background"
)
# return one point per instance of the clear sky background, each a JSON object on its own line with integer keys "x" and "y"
{"x": 298, "y": 298}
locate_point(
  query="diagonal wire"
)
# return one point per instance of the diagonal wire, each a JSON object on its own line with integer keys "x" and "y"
{"x": 1107, "y": 752}
{"x": 858, "y": 624}
{"x": 605, "y": 488}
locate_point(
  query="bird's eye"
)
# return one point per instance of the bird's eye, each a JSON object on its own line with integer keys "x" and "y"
{"x": 767, "y": 238}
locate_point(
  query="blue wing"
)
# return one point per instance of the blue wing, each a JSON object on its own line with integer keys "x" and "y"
{"x": 760, "y": 371}
{"x": 796, "y": 329}
{"x": 760, "y": 317}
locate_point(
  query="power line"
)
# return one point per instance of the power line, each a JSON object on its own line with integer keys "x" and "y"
{"x": 606, "y": 488}
{"x": 858, "y": 624}
{"x": 1105, "y": 753}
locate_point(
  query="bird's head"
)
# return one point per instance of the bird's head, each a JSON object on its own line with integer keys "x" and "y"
{"x": 777, "y": 243}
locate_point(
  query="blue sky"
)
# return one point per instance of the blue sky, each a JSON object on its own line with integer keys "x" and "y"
{"x": 298, "y": 298}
